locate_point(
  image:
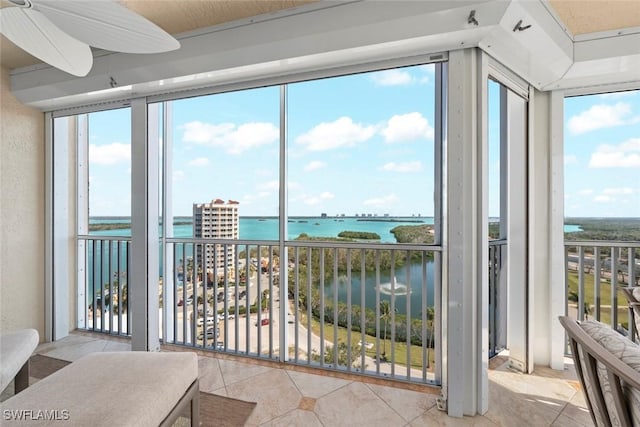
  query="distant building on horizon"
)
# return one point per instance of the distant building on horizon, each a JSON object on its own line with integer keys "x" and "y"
{"x": 216, "y": 220}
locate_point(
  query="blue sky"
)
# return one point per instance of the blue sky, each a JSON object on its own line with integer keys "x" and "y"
{"x": 356, "y": 144}
{"x": 602, "y": 155}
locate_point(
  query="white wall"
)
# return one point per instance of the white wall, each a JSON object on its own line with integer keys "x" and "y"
{"x": 22, "y": 211}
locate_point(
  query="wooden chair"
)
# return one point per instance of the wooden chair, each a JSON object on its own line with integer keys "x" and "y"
{"x": 608, "y": 366}
{"x": 633, "y": 296}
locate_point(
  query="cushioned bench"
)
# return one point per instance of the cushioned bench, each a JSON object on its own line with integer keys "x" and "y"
{"x": 16, "y": 348}
{"x": 608, "y": 366}
{"x": 111, "y": 389}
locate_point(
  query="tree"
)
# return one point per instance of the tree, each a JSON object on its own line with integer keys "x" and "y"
{"x": 343, "y": 355}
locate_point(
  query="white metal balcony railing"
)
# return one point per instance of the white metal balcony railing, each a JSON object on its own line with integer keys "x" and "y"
{"x": 361, "y": 308}
{"x": 595, "y": 273}
{"x": 103, "y": 292}
{"x": 366, "y": 309}
{"x": 497, "y": 296}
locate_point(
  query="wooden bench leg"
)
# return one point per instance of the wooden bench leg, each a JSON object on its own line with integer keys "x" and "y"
{"x": 195, "y": 409}
{"x": 21, "y": 380}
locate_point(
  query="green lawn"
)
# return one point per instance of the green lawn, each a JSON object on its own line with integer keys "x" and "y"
{"x": 605, "y": 298}
{"x": 400, "y": 349}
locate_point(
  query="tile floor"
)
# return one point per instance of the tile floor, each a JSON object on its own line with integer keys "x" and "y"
{"x": 291, "y": 398}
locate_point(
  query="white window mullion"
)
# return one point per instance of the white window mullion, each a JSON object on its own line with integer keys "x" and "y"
{"x": 82, "y": 214}
{"x": 465, "y": 242}
{"x": 144, "y": 277}
{"x": 284, "y": 308}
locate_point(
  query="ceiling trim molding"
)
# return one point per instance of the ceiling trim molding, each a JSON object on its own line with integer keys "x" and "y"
{"x": 342, "y": 35}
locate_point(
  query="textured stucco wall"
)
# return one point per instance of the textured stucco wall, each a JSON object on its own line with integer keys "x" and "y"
{"x": 22, "y": 198}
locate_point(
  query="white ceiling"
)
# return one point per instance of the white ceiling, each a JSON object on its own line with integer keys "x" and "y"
{"x": 579, "y": 17}
{"x": 175, "y": 17}
{"x": 226, "y": 43}
{"x": 593, "y": 16}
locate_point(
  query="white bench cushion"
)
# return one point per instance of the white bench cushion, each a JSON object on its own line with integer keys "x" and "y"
{"x": 110, "y": 389}
{"x": 15, "y": 349}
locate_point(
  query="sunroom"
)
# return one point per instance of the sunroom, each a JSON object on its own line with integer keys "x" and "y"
{"x": 443, "y": 115}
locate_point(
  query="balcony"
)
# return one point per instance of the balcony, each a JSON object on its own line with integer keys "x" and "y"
{"x": 290, "y": 395}
{"x": 233, "y": 313}
{"x": 354, "y": 308}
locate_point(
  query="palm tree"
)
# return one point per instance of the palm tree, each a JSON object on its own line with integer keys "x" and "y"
{"x": 385, "y": 315}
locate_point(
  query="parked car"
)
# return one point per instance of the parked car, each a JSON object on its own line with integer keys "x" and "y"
{"x": 210, "y": 321}
{"x": 263, "y": 322}
{"x": 210, "y": 332}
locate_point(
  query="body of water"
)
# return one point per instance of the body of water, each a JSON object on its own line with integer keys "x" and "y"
{"x": 411, "y": 289}
{"x": 252, "y": 228}
{"x": 268, "y": 229}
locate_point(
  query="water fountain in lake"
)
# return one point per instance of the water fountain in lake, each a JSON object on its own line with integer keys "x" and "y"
{"x": 399, "y": 289}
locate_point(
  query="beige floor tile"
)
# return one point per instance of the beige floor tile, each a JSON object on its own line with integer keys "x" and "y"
{"x": 568, "y": 373}
{"x": 233, "y": 371}
{"x": 356, "y": 405}
{"x": 408, "y": 404}
{"x": 69, "y": 340}
{"x": 312, "y": 385}
{"x": 210, "y": 375}
{"x": 295, "y": 418}
{"x": 117, "y": 346}
{"x": 577, "y": 410}
{"x": 545, "y": 398}
{"x": 565, "y": 421}
{"x": 273, "y": 390}
{"x": 510, "y": 407}
{"x": 533, "y": 385}
{"x": 74, "y": 352}
{"x": 435, "y": 417}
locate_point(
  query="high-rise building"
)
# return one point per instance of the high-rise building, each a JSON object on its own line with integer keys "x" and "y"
{"x": 216, "y": 220}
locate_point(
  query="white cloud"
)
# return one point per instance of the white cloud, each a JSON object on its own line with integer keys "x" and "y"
{"x": 110, "y": 154}
{"x": 570, "y": 159}
{"x": 314, "y": 165}
{"x": 315, "y": 200}
{"x": 342, "y": 132}
{"x": 233, "y": 138}
{"x": 292, "y": 185}
{"x": 392, "y": 78}
{"x": 269, "y": 185}
{"x": 624, "y": 155}
{"x": 414, "y": 166}
{"x": 602, "y": 199}
{"x": 585, "y": 192}
{"x": 429, "y": 71}
{"x": 178, "y": 175}
{"x": 199, "y": 162}
{"x": 407, "y": 127}
{"x": 618, "y": 191}
{"x": 263, "y": 172}
{"x": 381, "y": 201}
{"x": 599, "y": 117}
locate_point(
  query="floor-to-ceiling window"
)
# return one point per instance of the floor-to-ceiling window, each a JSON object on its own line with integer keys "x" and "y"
{"x": 102, "y": 181}
{"x": 297, "y": 221}
{"x": 602, "y": 204}
{"x": 361, "y": 173}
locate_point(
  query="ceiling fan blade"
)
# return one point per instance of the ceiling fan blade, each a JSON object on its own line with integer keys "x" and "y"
{"x": 33, "y": 32}
{"x": 107, "y": 25}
